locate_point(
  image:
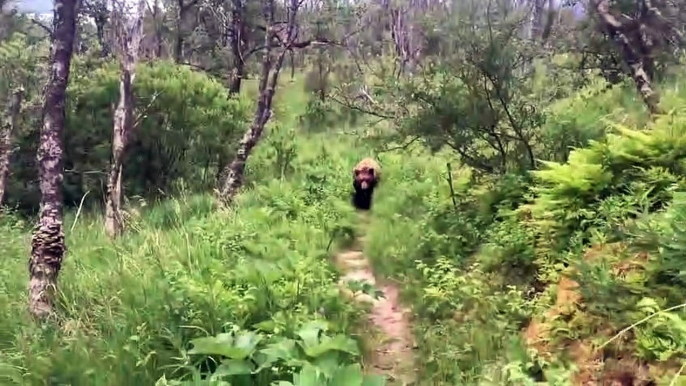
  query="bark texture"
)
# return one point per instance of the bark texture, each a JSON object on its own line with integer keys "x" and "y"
{"x": 628, "y": 39}
{"x": 97, "y": 9}
{"x": 128, "y": 35}
{"x": 182, "y": 9}
{"x": 238, "y": 37}
{"x": 233, "y": 172}
{"x": 9, "y": 123}
{"x": 122, "y": 123}
{"x": 47, "y": 243}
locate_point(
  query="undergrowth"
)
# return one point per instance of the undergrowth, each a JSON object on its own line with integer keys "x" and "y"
{"x": 487, "y": 262}
{"x": 190, "y": 282}
{"x": 196, "y": 294}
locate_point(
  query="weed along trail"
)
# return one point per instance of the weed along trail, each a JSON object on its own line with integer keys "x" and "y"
{"x": 389, "y": 339}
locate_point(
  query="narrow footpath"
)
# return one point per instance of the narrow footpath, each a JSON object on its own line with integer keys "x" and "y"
{"x": 391, "y": 340}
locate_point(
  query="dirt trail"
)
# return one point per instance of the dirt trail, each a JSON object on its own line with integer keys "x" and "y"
{"x": 391, "y": 342}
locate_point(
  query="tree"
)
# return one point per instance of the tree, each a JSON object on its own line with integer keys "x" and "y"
{"x": 157, "y": 21}
{"x": 8, "y": 126}
{"x": 183, "y": 9}
{"x": 47, "y": 243}
{"x": 238, "y": 38}
{"x": 627, "y": 37}
{"x": 97, "y": 10}
{"x": 269, "y": 77}
{"x": 128, "y": 31}
{"x": 8, "y": 20}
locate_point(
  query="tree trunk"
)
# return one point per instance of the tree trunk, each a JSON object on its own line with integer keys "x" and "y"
{"x": 550, "y": 20}
{"x": 180, "y": 25}
{"x": 47, "y": 243}
{"x": 629, "y": 43}
{"x": 537, "y": 19}
{"x": 97, "y": 9}
{"x": 123, "y": 117}
{"x": 129, "y": 34}
{"x": 268, "y": 81}
{"x": 158, "y": 29}
{"x": 292, "y": 66}
{"x": 237, "y": 74}
{"x": 8, "y": 126}
{"x": 237, "y": 37}
{"x": 100, "y": 22}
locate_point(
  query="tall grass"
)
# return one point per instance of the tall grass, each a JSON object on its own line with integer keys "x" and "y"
{"x": 186, "y": 268}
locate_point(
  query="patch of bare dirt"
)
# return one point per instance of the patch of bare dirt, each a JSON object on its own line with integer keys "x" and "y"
{"x": 391, "y": 340}
{"x": 592, "y": 368}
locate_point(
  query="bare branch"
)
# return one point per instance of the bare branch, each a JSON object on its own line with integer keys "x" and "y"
{"x": 44, "y": 27}
{"x": 144, "y": 111}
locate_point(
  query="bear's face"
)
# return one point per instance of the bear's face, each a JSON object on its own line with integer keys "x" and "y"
{"x": 365, "y": 177}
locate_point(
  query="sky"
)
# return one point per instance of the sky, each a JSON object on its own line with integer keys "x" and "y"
{"x": 37, "y": 6}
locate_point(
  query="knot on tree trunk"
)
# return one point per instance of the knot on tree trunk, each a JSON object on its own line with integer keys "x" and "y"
{"x": 47, "y": 246}
{"x": 47, "y": 250}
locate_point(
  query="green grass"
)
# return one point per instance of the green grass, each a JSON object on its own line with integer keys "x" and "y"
{"x": 186, "y": 268}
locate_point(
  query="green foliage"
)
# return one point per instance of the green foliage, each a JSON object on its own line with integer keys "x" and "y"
{"x": 188, "y": 125}
{"x": 17, "y": 63}
{"x": 195, "y": 294}
{"x": 661, "y": 337}
{"x": 187, "y": 270}
{"x": 312, "y": 358}
{"x": 610, "y": 181}
{"x": 477, "y": 262}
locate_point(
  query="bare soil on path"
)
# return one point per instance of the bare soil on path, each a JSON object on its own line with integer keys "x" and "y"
{"x": 390, "y": 341}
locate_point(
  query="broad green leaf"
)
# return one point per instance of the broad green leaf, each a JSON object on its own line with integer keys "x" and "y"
{"x": 234, "y": 367}
{"x": 220, "y": 344}
{"x": 266, "y": 325}
{"x": 283, "y": 349}
{"x": 347, "y": 376}
{"x": 263, "y": 361}
{"x": 309, "y": 333}
{"x": 373, "y": 380}
{"x": 328, "y": 363}
{"x": 308, "y": 376}
{"x": 224, "y": 344}
{"x": 339, "y": 342}
{"x": 247, "y": 341}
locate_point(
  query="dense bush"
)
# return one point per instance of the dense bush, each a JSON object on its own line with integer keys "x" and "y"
{"x": 483, "y": 264}
{"x": 188, "y": 131}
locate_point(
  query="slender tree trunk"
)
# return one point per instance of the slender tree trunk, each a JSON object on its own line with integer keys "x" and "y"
{"x": 123, "y": 117}
{"x": 537, "y": 19}
{"x": 237, "y": 36}
{"x": 237, "y": 75}
{"x": 9, "y": 124}
{"x": 180, "y": 26}
{"x": 292, "y": 66}
{"x": 158, "y": 29}
{"x": 268, "y": 81}
{"x": 97, "y": 9}
{"x": 550, "y": 20}
{"x": 128, "y": 39}
{"x": 629, "y": 43}
{"x": 47, "y": 243}
{"x": 100, "y": 22}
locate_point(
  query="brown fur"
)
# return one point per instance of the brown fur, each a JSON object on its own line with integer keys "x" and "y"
{"x": 367, "y": 170}
{"x": 366, "y": 176}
